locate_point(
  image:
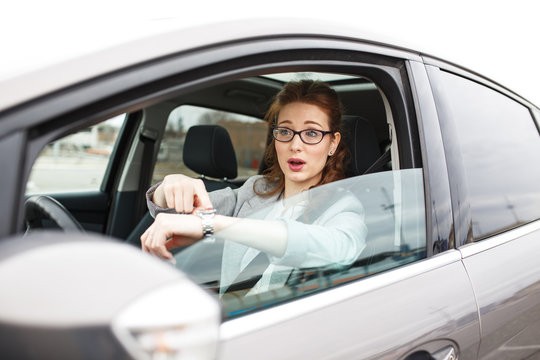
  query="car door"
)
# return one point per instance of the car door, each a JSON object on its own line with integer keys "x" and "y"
{"x": 495, "y": 144}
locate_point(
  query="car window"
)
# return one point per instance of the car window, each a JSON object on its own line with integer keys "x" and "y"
{"x": 248, "y": 136}
{"x": 337, "y": 233}
{"x": 76, "y": 162}
{"x": 500, "y": 147}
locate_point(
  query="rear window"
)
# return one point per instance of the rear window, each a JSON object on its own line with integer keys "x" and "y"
{"x": 500, "y": 147}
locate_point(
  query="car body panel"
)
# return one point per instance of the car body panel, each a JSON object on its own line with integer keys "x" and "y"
{"x": 506, "y": 282}
{"x": 12, "y": 144}
{"x": 380, "y": 310}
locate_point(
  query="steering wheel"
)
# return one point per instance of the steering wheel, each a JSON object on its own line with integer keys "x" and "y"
{"x": 40, "y": 207}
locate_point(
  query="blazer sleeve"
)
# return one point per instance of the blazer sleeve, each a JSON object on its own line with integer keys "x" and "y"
{"x": 225, "y": 201}
{"x": 152, "y": 207}
{"x": 336, "y": 238}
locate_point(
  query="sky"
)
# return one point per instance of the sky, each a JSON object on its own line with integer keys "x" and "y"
{"x": 498, "y": 39}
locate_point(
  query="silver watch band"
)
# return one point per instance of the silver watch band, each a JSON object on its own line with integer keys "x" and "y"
{"x": 207, "y": 221}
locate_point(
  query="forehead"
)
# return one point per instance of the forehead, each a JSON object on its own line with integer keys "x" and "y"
{"x": 298, "y": 113}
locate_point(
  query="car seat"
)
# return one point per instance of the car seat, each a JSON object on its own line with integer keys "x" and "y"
{"x": 360, "y": 137}
{"x": 208, "y": 151}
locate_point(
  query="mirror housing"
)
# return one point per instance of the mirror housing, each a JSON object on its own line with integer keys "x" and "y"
{"x": 72, "y": 295}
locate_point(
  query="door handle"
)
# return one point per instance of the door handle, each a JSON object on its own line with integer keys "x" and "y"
{"x": 447, "y": 353}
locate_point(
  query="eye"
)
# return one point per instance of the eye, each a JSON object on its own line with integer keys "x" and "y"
{"x": 284, "y": 131}
{"x": 312, "y": 133}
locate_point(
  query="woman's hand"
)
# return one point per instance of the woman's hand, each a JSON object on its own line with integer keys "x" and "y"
{"x": 182, "y": 193}
{"x": 170, "y": 231}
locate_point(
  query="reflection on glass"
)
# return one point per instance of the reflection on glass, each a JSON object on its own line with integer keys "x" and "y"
{"x": 500, "y": 147}
{"x": 391, "y": 209}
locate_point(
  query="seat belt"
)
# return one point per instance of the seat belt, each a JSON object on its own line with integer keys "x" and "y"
{"x": 380, "y": 162}
{"x": 148, "y": 138}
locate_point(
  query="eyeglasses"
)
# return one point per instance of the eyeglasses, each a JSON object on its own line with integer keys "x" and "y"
{"x": 308, "y": 136}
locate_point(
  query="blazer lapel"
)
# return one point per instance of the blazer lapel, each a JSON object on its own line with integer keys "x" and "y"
{"x": 257, "y": 207}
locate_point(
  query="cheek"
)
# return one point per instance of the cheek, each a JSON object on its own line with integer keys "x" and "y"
{"x": 320, "y": 153}
{"x": 281, "y": 147}
{"x": 280, "y": 150}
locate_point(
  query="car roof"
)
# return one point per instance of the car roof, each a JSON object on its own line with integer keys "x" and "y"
{"x": 151, "y": 40}
{"x": 46, "y": 59}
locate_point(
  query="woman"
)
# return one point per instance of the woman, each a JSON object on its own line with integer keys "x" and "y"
{"x": 305, "y": 152}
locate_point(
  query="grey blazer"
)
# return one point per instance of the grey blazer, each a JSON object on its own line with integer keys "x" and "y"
{"x": 239, "y": 202}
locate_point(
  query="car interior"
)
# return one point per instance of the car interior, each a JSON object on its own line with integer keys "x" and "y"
{"x": 209, "y": 152}
{"x": 216, "y": 133}
{"x": 205, "y": 152}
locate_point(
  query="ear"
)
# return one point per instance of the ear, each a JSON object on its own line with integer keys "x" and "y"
{"x": 335, "y": 142}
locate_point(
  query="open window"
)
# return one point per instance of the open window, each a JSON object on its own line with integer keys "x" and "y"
{"x": 382, "y": 200}
{"x": 385, "y": 185}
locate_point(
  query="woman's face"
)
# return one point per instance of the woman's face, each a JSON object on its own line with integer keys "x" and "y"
{"x": 301, "y": 163}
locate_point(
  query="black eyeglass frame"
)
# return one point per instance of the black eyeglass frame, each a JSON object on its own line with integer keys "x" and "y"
{"x": 324, "y": 133}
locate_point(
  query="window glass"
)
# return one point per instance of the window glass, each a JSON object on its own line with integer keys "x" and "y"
{"x": 76, "y": 162}
{"x": 336, "y": 233}
{"x": 500, "y": 148}
{"x": 248, "y": 136}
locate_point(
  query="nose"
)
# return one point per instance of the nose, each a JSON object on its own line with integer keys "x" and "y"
{"x": 296, "y": 143}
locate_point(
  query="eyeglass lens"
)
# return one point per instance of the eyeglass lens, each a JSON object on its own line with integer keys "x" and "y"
{"x": 309, "y": 136}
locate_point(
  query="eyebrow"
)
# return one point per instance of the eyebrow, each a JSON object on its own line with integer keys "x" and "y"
{"x": 305, "y": 122}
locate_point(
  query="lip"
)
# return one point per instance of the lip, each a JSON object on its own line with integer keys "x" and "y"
{"x": 296, "y": 164}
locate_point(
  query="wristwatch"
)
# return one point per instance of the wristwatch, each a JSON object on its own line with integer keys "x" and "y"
{"x": 207, "y": 220}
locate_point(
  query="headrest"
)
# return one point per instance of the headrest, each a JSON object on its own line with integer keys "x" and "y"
{"x": 359, "y": 135}
{"x": 208, "y": 151}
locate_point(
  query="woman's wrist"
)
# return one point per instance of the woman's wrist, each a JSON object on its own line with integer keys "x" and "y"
{"x": 221, "y": 222}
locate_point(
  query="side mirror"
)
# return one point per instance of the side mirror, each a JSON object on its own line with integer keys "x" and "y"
{"x": 72, "y": 295}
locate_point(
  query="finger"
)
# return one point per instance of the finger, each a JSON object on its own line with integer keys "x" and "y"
{"x": 157, "y": 244}
{"x": 143, "y": 239}
{"x": 189, "y": 200}
{"x": 163, "y": 253}
{"x": 169, "y": 196}
{"x": 178, "y": 204}
{"x": 201, "y": 198}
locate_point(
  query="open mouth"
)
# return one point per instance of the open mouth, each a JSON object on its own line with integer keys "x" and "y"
{"x": 296, "y": 164}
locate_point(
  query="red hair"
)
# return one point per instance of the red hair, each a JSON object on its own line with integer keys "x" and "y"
{"x": 314, "y": 93}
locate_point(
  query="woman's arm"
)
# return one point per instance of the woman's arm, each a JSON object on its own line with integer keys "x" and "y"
{"x": 225, "y": 201}
{"x": 337, "y": 236}
{"x": 338, "y": 242}
{"x": 170, "y": 231}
